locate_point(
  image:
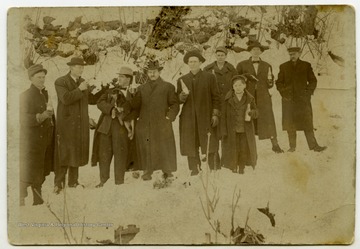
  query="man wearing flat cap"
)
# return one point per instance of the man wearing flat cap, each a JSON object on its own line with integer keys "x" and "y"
{"x": 223, "y": 71}
{"x": 199, "y": 93}
{"x": 74, "y": 95}
{"x": 114, "y": 132}
{"x": 37, "y": 143}
{"x": 265, "y": 126}
{"x": 296, "y": 83}
{"x": 157, "y": 107}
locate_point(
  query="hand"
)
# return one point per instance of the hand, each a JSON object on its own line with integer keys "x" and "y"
{"x": 214, "y": 121}
{"x": 83, "y": 86}
{"x": 129, "y": 125}
{"x": 253, "y": 113}
{"x": 41, "y": 117}
{"x": 270, "y": 83}
{"x": 183, "y": 96}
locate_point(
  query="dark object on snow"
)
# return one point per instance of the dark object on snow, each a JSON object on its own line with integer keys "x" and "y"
{"x": 238, "y": 49}
{"x": 246, "y": 236}
{"x": 124, "y": 236}
{"x": 268, "y": 214}
{"x": 337, "y": 59}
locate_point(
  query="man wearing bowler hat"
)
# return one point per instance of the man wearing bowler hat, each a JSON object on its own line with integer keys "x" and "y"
{"x": 157, "y": 107}
{"x": 199, "y": 93}
{"x": 72, "y": 136}
{"x": 114, "y": 133}
{"x": 265, "y": 126}
{"x": 37, "y": 144}
{"x": 296, "y": 83}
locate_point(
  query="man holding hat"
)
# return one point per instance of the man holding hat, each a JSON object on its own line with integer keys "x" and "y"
{"x": 199, "y": 93}
{"x": 296, "y": 83}
{"x": 157, "y": 107}
{"x": 37, "y": 143}
{"x": 265, "y": 126}
{"x": 72, "y": 123}
{"x": 113, "y": 134}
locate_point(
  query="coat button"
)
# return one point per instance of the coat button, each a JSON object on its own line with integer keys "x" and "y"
{"x": 41, "y": 136}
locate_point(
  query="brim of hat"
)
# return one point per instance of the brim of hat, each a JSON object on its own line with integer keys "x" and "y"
{"x": 74, "y": 64}
{"x": 155, "y": 68}
{"x": 186, "y": 58}
{"x": 262, "y": 48}
{"x": 38, "y": 71}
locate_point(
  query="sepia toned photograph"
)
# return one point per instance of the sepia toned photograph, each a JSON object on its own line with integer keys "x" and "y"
{"x": 181, "y": 125}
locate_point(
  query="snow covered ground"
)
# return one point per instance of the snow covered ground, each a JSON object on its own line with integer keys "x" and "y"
{"x": 311, "y": 194}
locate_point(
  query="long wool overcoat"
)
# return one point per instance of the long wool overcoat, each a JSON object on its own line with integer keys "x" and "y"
{"x": 73, "y": 121}
{"x": 203, "y": 99}
{"x": 37, "y": 143}
{"x": 155, "y": 141}
{"x": 296, "y": 84}
{"x": 265, "y": 125}
{"x": 228, "y": 132}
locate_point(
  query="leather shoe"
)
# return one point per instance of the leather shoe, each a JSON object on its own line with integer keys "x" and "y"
{"x": 100, "y": 185}
{"x": 57, "y": 190}
{"x": 319, "y": 148}
{"x": 75, "y": 185}
{"x": 277, "y": 149}
{"x": 292, "y": 149}
{"x": 194, "y": 172}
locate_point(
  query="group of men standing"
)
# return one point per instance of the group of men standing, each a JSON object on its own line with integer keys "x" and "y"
{"x": 135, "y": 126}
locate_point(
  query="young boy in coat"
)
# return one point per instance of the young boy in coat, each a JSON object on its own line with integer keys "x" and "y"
{"x": 237, "y": 128}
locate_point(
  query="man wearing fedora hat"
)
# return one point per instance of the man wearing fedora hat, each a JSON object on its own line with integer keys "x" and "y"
{"x": 265, "y": 126}
{"x": 199, "y": 93}
{"x": 296, "y": 83}
{"x": 223, "y": 71}
{"x": 113, "y": 133}
{"x": 157, "y": 107}
{"x": 37, "y": 143}
{"x": 74, "y": 95}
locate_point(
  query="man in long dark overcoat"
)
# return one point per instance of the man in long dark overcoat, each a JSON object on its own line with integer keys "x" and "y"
{"x": 37, "y": 144}
{"x": 296, "y": 83}
{"x": 157, "y": 107}
{"x": 74, "y": 95}
{"x": 199, "y": 93}
{"x": 265, "y": 126}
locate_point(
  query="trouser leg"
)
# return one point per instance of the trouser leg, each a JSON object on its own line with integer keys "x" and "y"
{"x": 37, "y": 197}
{"x": 120, "y": 151}
{"x": 243, "y": 151}
{"x": 73, "y": 175}
{"x": 194, "y": 163}
{"x": 211, "y": 160}
{"x": 292, "y": 138}
{"x": 60, "y": 176}
{"x": 274, "y": 141}
{"x": 105, "y": 156}
{"x": 310, "y": 138}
